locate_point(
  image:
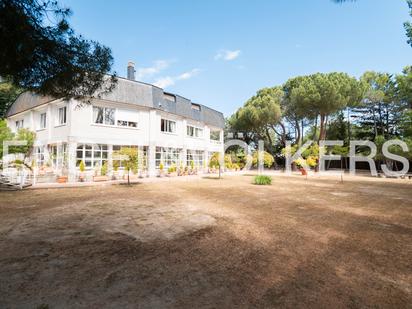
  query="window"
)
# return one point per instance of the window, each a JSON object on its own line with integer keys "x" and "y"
{"x": 62, "y": 115}
{"x": 143, "y": 159}
{"x": 91, "y": 155}
{"x": 215, "y": 135}
{"x": 19, "y": 124}
{"x": 168, "y": 126}
{"x": 127, "y": 118}
{"x": 194, "y": 132}
{"x": 58, "y": 155}
{"x": 103, "y": 115}
{"x": 196, "y": 107}
{"x": 42, "y": 121}
{"x": 169, "y": 97}
{"x": 167, "y": 156}
{"x": 39, "y": 153}
{"x": 195, "y": 156}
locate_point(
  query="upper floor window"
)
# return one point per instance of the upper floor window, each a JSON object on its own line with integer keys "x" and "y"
{"x": 19, "y": 124}
{"x": 194, "y": 132}
{"x": 62, "y": 115}
{"x": 126, "y": 118}
{"x": 43, "y": 121}
{"x": 196, "y": 107}
{"x": 215, "y": 135}
{"x": 168, "y": 126}
{"x": 103, "y": 115}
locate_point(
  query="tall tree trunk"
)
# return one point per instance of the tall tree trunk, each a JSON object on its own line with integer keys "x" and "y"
{"x": 316, "y": 128}
{"x": 297, "y": 126}
{"x": 302, "y": 126}
{"x": 322, "y": 127}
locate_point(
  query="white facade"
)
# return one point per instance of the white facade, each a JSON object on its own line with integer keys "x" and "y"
{"x": 73, "y": 132}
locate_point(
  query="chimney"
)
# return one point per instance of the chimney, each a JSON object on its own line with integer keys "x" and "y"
{"x": 130, "y": 70}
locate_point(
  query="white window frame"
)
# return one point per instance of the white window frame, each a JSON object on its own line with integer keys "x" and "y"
{"x": 197, "y": 156}
{"x": 58, "y": 118}
{"x": 197, "y": 132}
{"x": 168, "y": 156}
{"x": 167, "y": 126}
{"x": 212, "y": 139}
{"x": 19, "y": 124}
{"x": 128, "y": 123}
{"x": 43, "y": 121}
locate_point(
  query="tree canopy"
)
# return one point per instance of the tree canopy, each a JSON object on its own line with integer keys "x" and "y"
{"x": 40, "y": 52}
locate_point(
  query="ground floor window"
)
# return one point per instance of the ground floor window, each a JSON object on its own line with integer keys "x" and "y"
{"x": 142, "y": 157}
{"x": 40, "y": 155}
{"x": 194, "y": 158}
{"x": 168, "y": 156}
{"x": 58, "y": 155}
{"x": 92, "y": 155}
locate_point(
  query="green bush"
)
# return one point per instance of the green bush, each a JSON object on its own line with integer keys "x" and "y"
{"x": 103, "y": 170}
{"x": 268, "y": 159}
{"x": 262, "y": 180}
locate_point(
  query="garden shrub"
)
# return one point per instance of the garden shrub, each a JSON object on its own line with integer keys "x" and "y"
{"x": 268, "y": 159}
{"x": 262, "y": 180}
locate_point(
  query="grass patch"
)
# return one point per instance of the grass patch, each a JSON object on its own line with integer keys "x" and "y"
{"x": 262, "y": 180}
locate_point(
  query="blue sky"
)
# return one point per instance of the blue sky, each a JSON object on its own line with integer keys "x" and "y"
{"x": 218, "y": 53}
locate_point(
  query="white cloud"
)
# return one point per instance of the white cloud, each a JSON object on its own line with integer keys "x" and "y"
{"x": 158, "y": 66}
{"x": 188, "y": 75}
{"x": 227, "y": 55}
{"x": 167, "y": 81}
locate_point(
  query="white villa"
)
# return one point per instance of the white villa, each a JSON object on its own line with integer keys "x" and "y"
{"x": 166, "y": 128}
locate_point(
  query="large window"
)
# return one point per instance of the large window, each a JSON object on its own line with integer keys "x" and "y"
{"x": 126, "y": 118}
{"x": 43, "y": 121}
{"x": 142, "y": 157}
{"x": 40, "y": 155}
{"x": 91, "y": 155}
{"x": 58, "y": 155}
{"x": 103, "y": 115}
{"x": 62, "y": 114}
{"x": 113, "y": 116}
{"x": 168, "y": 126}
{"x": 195, "y": 156}
{"x": 167, "y": 156}
{"x": 215, "y": 135}
{"x": 194, "y": 131}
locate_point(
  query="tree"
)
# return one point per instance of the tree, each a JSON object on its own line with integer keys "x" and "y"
{"x": 8, "y": 94}
{"x": 381, "y": 110}
{"x": 259, "y": 116}
{"x": 129, "y": 158}
{"x": 5, "y": 135}
{"x": 404, "y": 85}
{"x": 408, "y": 25}
{"x": 41, "y": 53}
{"x": 323, "y": 94}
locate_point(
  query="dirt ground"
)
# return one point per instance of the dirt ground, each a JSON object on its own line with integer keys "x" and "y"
{"x": 209, "y": 244}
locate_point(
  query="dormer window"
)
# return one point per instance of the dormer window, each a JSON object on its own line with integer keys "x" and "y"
{"x": 196, "y": 107}
{"x": 169, "y": 97}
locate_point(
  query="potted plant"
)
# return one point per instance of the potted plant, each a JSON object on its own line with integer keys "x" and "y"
{"x": 192, "y": 168}
{"x": 62, "y": 178}
{"x": 312, "y": 161}
{"x": 171, "y": 171}
{"x": 102, "y": 176}
{"x": 115, "y": 174}
{"x": 82, "y": 168}
{"x": 300, "y": 163}
{"x": 161, "y": 167}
